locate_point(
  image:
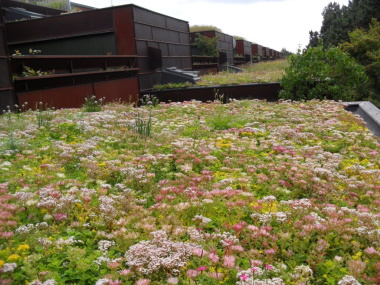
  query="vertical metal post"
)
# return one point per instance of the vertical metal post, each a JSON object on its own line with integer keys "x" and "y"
{"x": 7, "y": 94}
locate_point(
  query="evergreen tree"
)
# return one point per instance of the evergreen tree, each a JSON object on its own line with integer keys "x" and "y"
{"x": 285, "y": 52}
{"x": 314, "y": 39}
{"x": 339, "y": 21}
{"x": 364, "y": 46}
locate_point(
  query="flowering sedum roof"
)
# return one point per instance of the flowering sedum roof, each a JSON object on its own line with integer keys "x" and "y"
{"x": 248, "y": 192}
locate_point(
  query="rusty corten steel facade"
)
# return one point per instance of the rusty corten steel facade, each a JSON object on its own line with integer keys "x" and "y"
{"x": 58, "y": 97}
{"x": 112, "y": 77}
{"x": 7, "y": 96}
{"x": 122, "y": 30}
{"x": 244, "y": 47}
{"x": 205, "y": 64}
{"x": 170, "y": 35}
{"x": 257, "y": 50}
{"x": 225, "y": 44}
{"x": 265, "y": 53}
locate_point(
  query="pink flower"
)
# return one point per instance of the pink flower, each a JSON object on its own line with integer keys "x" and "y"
{"x": 202, "y": 268}
{"x": 268, "y": 267}
{"x": 125, "y": 272}
{"x": 216, "y": 275}
{"x": 229, "y": 261}
{"x": 237, "y": 248}
{"x": 269, "y": 251}
{"x": 256, "y": 263}
{"x": 199, "y": 252}
{"x": 60, "y": 216}
{"x": 173, "y": 280}
{"x": 115, "y": 282}
{"x": 237, "y": 227}
{"x": 192, "y": 273}
{"x": 244, "y": 277}
{"x": 213, "y": 257}
{"x": 143, "y": 282}
{"x": 370, "y": 250}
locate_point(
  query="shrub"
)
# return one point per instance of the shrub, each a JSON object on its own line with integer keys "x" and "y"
{"x": 206, "y": 46}
{"x": 364, "y": 46}
{"x": 316, "y": 73}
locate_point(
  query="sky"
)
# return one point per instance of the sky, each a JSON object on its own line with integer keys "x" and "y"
{"x": 275, "y": 24}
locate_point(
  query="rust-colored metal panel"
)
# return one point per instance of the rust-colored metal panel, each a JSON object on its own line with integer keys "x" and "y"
{"x": 125, "y": 90}
{"x": 265, "y": 52}
{"x": 224, "y": 43}
{"x": 64, "y": 26}
{"x": 125, "y": 30}
{"x": 74, "y": 96}
{"x": 240, "y": 47}
{"x": 255, "y": 50}
{"x": 72, "y": 64}
{"x": 64, "y": 97}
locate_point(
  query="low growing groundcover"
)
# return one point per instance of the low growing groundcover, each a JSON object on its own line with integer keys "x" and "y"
{"x": 244, "y": 193}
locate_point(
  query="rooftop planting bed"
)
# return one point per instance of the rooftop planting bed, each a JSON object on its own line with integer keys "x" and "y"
{"x": 190, "y": 193}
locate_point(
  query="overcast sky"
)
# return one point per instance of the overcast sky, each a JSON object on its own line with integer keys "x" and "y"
{"x": 273, "y": 23}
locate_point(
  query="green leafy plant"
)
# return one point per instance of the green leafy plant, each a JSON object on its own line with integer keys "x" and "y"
{"x": 28, "y": 72}
{"x": 44, "y": 115}
{"x": 91, "y": 104}
{"x": 364, "y": 46}
{"x": 143, "y": 125}
{"x": 173, "y": 85}
{"x": 316, "y": 73}
{"x": 207, "y": 46}
{"x": 149, "y": 100}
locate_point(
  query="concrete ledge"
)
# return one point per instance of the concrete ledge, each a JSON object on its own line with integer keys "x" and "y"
{"x": 368, "y": 112}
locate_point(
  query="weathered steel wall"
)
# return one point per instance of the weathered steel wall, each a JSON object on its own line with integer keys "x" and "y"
{"x": 225, "y": 44}
{"x": 123, "y": 30}
{"x": 7, "y": 97}
{"x": 205, "y": 64}
{"x": 244, "y": 47}
{"x": 74, "y": 96}
{"x": 166, "y": 35}
{"x": 265, "y": 53}
{"x": 257, "y": 50}
{"x": 87, "y": 33}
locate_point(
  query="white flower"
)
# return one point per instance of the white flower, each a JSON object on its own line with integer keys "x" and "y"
{"x": 348, "y": 280}
{"x": 8, "y": 267}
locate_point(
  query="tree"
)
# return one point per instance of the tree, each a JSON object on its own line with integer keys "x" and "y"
{"x": 318, "y": 73}
{"x": 285, "y": 52}
{"x": 361, "y": 12}
{"x": 338, "y": 21}
{"x": 314, "y": 39}
{"x": 334, "y": 25}
{"x": 364, "y": 46}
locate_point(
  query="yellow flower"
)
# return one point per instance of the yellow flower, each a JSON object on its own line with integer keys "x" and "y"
{"x": 1, "y": 263}
{"x": 22, "y": 247}
{"x": 13, "y": 257}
